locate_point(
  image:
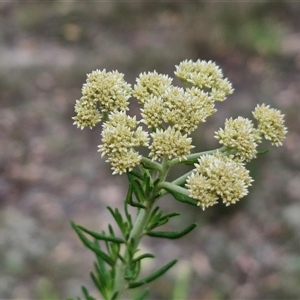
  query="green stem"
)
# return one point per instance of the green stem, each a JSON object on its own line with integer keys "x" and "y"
{"x": 165, "y": 169}
{"x": 176, "y": 183}
{"x": 182, "y": 179}
{"x": 140, "y": 225}
{"x": 173, "y": 187}
{"x": 150, "y": 164}
{"x": 194, "y": 156}
{"x": 134, "y": 239}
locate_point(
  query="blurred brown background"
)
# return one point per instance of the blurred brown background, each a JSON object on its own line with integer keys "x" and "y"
{"x": 50, "y": 172}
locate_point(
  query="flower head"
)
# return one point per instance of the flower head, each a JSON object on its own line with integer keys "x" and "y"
{"x": 109, "y": 89}
{"x": 102, "y": 92}
{"x": 123, "y": 162}
{"x": 205, "y": 75}
{"x": 219, "y": 177}
{"x": 153, "y": 111}
{"x": 117, "y": 118}
{"x": 171, "y": 143}
{"x": 185, "y": 110}
{"x": 270, "y": 124}
{"x": 199, "y": 188}
{"x": 150, "y": 83}
{"x": 87, "y": 114}
{"x": 239, "y": 134}
{"x": 119, "y": 139}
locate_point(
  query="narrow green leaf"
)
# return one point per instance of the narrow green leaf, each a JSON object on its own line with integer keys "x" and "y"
{"x": 162, "y": 221}
{"x": 128, "y": 216}
{"x": 263, "y": 151}
{"x": 119, "y": 217}
{"x": 136, "y": 174}
{"x": 137, "y": 188}
{"x": 138, "y": 191}
{"x": 115, "y": 296}
{"x": 130, "y": 272}
{"x": 153, "y": 214}
{"x": 158, "y": 224}
{"x": 97, "y": 268}
{"x": 102, "y": 254}
{"x": 146, "y": 255}
{"x": 159, "y": 220}
{"x": 111, "y": 231}
{"x": 99, "y": 285}
{"x": 91, "y": 245}
{"x": 171, "y": 215}
{"x": 129, "y": 194}
{"x": 116, "y": 215}
{"x": 190, "y": 162}
{"x": 158, "y": 215}
{"x": 137, "y": 270}
{"x": 131, "y": 177}
{"x": 137, "y": 204}
{"x": 154, "y": 222}
{"x": 151, "y": 165}
{"x": 172, "y": 234}
{"x": 146, "y": 176}
{"x": 102, "y": 278}
{"x": 86, "y": 294}
{"x": 107, "y": 246}
{"x": 119, "y": 220}
{"x": 181, "y": 197}
{"x": 111, "y": 282}
{"x": 154, "y": 275}
{"x": 99, "y": 236}
{"x": 156, "y": 181}
{"x": 122, "y": 258}
{"x": 101, "y": 264}
{"x": 115, "y": 249}
{"x": 143, "y": 295}
{"x": 134, "y": 187}
{"x": 148, "y": 182}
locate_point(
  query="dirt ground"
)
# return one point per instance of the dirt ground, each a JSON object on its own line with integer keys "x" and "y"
{"x": 51, "y": 172}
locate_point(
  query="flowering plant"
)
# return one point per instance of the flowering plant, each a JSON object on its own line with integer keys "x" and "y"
{"x": 169, "y": 114}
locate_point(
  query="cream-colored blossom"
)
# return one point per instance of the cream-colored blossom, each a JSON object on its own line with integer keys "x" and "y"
{"x": 175, "y": 107}
{"x": 120, "y": 118}
{"x": 239, "y": 134}
{"x": 116, "y": 139}
{"x": 87, "y": 114}
{"x": 202, "y": 106}
{"x": 124, "y": 162}
{"x": 199, "y": 188}
{"x": 170, "y": 143}
{"x": 205, "y": 75}
{"x": 102, "y": 92}
{"x": 270, "y": 124}
{"x": 221, "y": 90}
{"x": 150, "y": 83}
{"x": 140, "y": 137}
{"x": 153, "y": 111}
{"x": 185, "y": 110}
{"x": 223, "y": 178}
{"x": 109, "y": 89}
{"x": 119, "y": 137}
